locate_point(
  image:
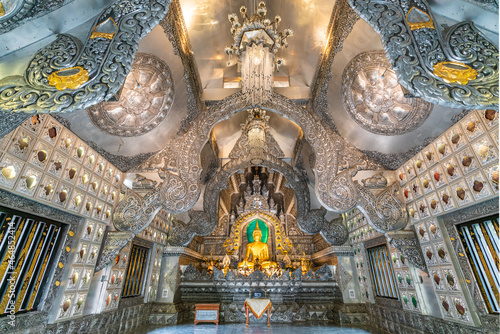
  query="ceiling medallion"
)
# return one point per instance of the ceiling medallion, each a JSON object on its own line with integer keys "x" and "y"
{"x": 146, "y": 98}
{"x": 373, "y": 97}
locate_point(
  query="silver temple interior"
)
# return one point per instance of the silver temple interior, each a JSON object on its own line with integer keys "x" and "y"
{"x": 280, "y": 166}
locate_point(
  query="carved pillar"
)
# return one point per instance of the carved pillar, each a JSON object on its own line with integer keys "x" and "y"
{"x": 340, "y": 260}
{"x": 346, "y": 275}
{"x": 169, "y": 275}
{"x": 164, "y": 311}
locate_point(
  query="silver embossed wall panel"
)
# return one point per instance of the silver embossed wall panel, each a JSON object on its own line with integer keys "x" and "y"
{"x": 373, "y": 97}
{"x": 146, "y": 98}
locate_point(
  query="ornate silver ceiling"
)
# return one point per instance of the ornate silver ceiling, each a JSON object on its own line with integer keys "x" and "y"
{"x": 373, "y": 98}
{"x": 146, "y": 98}
{"x": 458, "y": 69}
{"x": 69, "y": 74}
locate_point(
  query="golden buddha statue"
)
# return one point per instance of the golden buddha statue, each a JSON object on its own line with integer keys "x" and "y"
{"x": 258, "y": 251}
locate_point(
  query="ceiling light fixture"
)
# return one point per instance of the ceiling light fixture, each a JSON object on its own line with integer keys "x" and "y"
{"x": 256, "y": 41}
{"x": 256, "y": 126}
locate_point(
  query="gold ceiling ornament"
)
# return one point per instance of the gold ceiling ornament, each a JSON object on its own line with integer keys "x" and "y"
{"x": 105, "y": 29}
{"x": 71, "y": 78}
{"x": 452, "y": 71}
{"x": 2, "y": 9}
{"x": 418, "y": 19}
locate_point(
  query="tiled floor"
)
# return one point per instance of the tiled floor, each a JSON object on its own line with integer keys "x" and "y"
{"x": 300, "y": 328}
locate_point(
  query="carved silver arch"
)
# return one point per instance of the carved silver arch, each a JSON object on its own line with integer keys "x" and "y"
{"x": 309, "y": 221}
{"x": 133, "y": 214}
{"x": 90, "y": 72}
{"x": 385, "y": 211}
{"x": 415, "y": 47}
{"x": 179, "y": 162}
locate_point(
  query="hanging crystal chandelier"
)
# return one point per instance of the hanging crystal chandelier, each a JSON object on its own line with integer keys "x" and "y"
{"x": 256, "y": 127}
{"x": 256, "y": 41}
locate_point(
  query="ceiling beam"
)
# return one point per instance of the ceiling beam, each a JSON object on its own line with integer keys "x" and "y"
{"x": 341, "y": 23}
{"x": 176, "y": 30}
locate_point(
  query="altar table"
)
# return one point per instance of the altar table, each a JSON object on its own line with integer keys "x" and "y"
{"x": 258, "y": 307}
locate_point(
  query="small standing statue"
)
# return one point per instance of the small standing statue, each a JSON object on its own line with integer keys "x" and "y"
{"x": 287, "y": 261}
{"x": 226, "y": 262}
{"x": 210, "y": 264}
{"x": 305, "y": 264}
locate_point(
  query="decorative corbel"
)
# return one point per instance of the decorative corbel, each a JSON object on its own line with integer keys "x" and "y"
{"x": 113, "y": 243}
{"x": 130, "y": 217}
{"x": 406, "y": 242}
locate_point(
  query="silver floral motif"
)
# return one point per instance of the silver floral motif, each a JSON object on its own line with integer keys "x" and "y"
{"x": 385, "y": 211}
{"x": 373, "y": 98}
{"x": 342, "y": 276}
{"x": 122, "y": 162}
{"x": 242, "y": 146}
{"x": 146, "y": 98}
{"x": 107, "y": 62}
{"x": 393, "y": 161}
{"x": 413, "y": 53}
{"x": 133, "y": 213}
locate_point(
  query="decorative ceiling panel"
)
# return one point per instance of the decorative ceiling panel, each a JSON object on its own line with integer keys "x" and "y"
{"x": 374, "y": 99}
{"x": 146, "y": 98}
{"x": 208, "y": 28}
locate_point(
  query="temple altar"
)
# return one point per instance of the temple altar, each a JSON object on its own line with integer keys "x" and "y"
{"x": 290, "y": 292}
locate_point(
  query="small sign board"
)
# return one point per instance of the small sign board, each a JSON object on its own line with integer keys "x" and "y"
{"x": 206, "y": 313}
{"x": 351, "y": 293}
{"x": 164, "y": 293}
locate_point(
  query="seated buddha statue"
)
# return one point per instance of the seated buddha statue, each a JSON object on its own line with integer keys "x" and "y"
{"x": 258, "y": 252}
